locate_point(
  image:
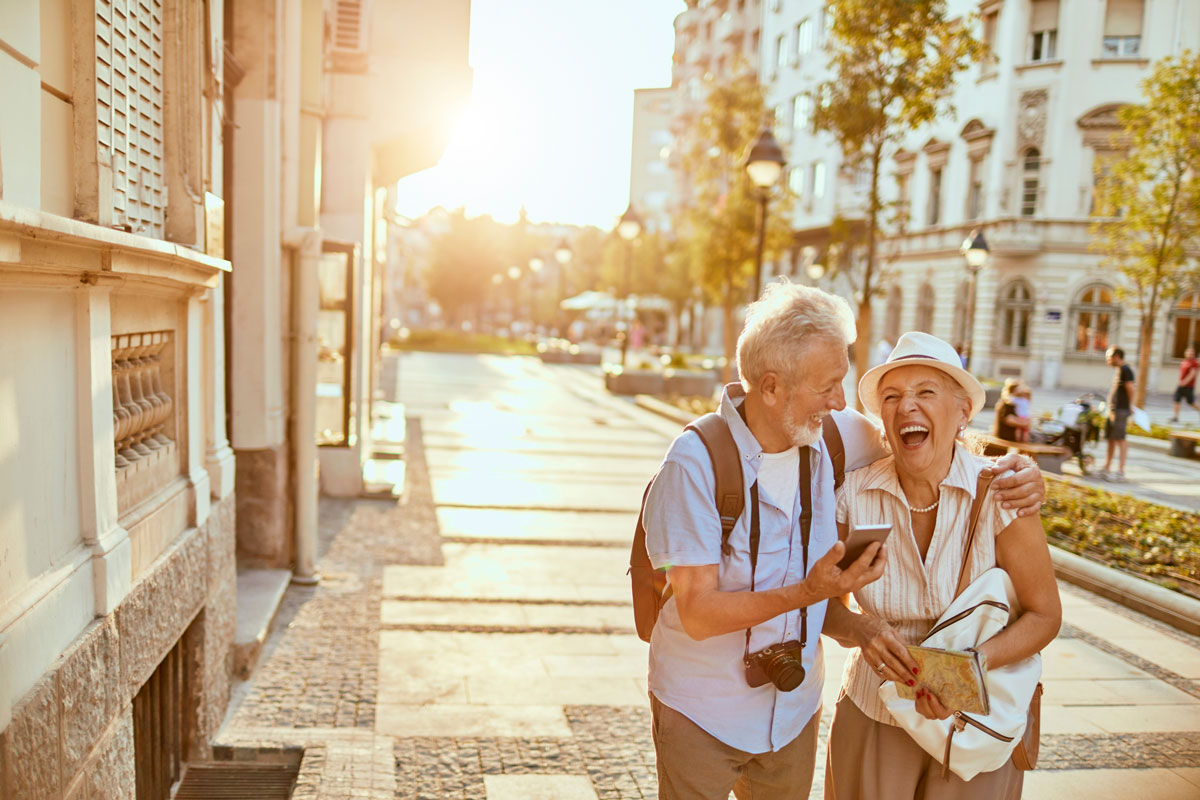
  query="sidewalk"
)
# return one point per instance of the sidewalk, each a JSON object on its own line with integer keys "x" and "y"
{"x": 474, "y": 640}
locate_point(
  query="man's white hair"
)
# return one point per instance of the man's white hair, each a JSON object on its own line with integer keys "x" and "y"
{"x": 782, "y": 324}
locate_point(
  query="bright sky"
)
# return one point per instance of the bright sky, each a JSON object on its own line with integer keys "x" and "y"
{"x": 551, "y": 114}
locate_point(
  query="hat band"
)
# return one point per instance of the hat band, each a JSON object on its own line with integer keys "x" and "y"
{"x": 928, "y": 358}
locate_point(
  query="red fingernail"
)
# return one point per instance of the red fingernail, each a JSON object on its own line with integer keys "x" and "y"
{"x": 916, "y": 671}
{"x": 912, "y": 683}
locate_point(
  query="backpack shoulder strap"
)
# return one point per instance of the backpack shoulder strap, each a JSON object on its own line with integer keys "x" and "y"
{"x": 981, "y": 489}
{"x": 727, "y": 467}
{"x": 837, "y": 450}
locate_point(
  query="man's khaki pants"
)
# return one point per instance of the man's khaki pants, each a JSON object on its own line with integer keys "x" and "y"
{"x": 694, "y": 765}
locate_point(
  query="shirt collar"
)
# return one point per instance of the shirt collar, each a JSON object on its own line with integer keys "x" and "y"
{"x": 731, "y": 398}
{"x": 963, "y": 474}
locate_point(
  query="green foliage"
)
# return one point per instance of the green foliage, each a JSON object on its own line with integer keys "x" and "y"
{"x": 450, "y": 341}
{"x": 720, "y": 226}
{"x": 1150, "y": 540}
{"x": 893, "y": 64}
{"x": 1151, "y": 197}
{"x": 465, "y": 257}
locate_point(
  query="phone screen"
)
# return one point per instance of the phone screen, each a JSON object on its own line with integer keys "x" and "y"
{"x": 859, "y": 538}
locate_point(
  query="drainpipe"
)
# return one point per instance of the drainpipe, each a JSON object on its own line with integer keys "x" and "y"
{"x": 305, "y": 244}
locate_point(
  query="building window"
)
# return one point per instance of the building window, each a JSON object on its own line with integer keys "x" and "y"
{"x": 1185, "y": 325}
{"x": 818, "y": 180}
{"x": 962, "y": 299}
{"x": 926, "y": 300}
{"x": 1043, "y": 30}
{"x": 824, "y": 26}
{"x": 1123, "y": 28}
{"x": 990, "y": 20}
{"x": 975, "y": 189}
{"x": 1094, "y": 317}
{"x": 780, "y": 53}
{"x": 1031, "y": 166}
{"x": 935, "y": 195}
{"x": 802, "y": 114}
{"x": 1014, "y": 312}
{"x": 804, "y": 32}
{"x": 795, "y": 181}
{"x": 895, "y": 304}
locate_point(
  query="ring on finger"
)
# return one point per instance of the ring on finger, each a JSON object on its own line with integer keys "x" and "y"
{"x": 880, "y": 668}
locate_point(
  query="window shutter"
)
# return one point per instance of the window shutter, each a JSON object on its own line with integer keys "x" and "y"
{"x": 350, "y": 26}
{"x": 1043, "y": 15}
{"x": 1124, "y": 18}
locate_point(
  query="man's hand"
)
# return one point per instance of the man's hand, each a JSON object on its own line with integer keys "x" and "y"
{"x": 1023, "y": 490}
{"x": 826, "y": 580}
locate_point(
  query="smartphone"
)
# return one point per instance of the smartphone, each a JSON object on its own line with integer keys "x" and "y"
{"x": 859, "y": 538}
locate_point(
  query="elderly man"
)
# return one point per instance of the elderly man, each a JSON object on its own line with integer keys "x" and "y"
{"x": 736, "y": 669}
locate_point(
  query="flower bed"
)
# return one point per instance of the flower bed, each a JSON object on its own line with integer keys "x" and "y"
{"x": 1151, "y": 541}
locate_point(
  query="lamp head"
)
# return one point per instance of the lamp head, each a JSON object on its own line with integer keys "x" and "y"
{"x": 630, "y": 224}
{"x": 514, "y": 272}
{"x": 562, "y": 253}
{"x": 536, "y": 264}
{"x": 764, "y": 160}
{"x": 975, "y": 250}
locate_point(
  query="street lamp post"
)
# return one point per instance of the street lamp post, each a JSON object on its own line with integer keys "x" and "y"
{"x": 764, "y": 163}
{"x": 535, "y": 269}
{"x": 514, "y": 276}
{"x": 562, "y": 254}
{"x": 975, "y": 250}
{"x": 629, "y": 227}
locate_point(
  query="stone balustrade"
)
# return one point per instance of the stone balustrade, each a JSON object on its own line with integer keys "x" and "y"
{"x": 143, "y": 415}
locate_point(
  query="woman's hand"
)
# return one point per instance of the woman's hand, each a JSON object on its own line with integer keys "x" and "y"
{"x": 1024, "y": 490}
{"x": 885, "y": 653}
{"x": 929, "y": 706}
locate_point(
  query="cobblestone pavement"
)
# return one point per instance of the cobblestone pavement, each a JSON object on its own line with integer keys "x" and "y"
{"x": 477, "y": 634}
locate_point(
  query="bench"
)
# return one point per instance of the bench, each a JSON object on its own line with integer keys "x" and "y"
{"x": 1048, "y": 457}
{"x": 1183, "y": 443}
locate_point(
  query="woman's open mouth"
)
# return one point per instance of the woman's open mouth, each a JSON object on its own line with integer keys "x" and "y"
{"x": 914, "y": 435}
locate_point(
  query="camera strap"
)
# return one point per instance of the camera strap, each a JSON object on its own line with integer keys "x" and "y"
{"x": 805, "y": 529}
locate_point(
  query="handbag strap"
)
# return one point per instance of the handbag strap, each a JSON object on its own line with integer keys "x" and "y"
{"x": 985, "y": 480}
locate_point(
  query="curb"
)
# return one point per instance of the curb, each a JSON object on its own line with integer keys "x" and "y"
{"x": 1165, "y": 605}
{"x": 1174, "y": 608}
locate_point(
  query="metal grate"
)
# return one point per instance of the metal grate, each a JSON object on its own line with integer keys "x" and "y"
{"x": 158, "y": 740}
{"x": 234, "y": 781}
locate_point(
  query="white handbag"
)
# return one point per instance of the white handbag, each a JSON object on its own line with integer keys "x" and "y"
{"x": 969, "y": 744}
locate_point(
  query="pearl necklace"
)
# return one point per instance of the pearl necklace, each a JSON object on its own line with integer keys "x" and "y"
{"x": 926, "y": 509}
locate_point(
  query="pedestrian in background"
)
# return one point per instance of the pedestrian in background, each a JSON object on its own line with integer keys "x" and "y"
{"x": 1010, "y": 423}
{"x": 1120, "y": 405}
{"x": 1185, "y": 391}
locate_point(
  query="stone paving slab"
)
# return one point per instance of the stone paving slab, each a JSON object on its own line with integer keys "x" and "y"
{"x": 505, "y": 491}
{"x": 1159, "y": 784}
{"x": 533, "y": 466}
{"x": 539, "y": 787}
{"x": 516, "y": 572}
{"x": 415, "y": 720}
{"x": 419, "y": 613}
{"x": 563, "y": 526}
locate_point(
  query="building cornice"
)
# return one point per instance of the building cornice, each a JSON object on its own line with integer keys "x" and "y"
{"x": 45, "y": 249}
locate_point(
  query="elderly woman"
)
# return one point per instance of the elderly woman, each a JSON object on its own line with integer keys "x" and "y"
{"x": 925, "y": 489}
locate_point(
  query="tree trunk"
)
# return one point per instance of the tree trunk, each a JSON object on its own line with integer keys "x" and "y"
{"x": 1145, "y": 347}
{"x": 862, "y": 346}
{"x": 862, "y": 349}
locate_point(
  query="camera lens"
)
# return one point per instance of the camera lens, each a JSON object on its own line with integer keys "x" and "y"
{"x": 787, "y": 672}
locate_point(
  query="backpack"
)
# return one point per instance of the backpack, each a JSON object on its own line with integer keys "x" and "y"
{"x": 650, "y": 589}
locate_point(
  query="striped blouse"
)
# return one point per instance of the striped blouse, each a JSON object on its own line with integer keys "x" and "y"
{"x": 911, "y": 595}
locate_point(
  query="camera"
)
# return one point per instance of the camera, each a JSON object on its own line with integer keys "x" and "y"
{"x": 781, "y": 664}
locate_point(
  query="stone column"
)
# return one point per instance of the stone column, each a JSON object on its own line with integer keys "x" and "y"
{"x": 198, "y": 381}
{"x": 256, "y": 371}
{"x": 109, "y": 542}
{"x": 218, "y": 456}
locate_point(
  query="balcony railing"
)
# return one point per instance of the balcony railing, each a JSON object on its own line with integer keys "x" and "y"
{"x": 147, "y": 458}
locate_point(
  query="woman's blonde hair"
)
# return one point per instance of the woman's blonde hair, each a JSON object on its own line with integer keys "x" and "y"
{"x": 783, "y": 323}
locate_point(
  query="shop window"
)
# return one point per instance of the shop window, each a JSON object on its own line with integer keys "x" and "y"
{"x": 1185, "y": 325}
{"x": 1014, "y": 312}
{"x": 335, "y": 337}
{"x": 1094, "y": 318}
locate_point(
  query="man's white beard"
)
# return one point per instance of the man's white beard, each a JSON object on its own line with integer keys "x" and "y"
{"x": 799, "y": 435}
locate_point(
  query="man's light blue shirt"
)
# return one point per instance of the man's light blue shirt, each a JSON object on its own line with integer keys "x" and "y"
{"x": 705, "y": 680}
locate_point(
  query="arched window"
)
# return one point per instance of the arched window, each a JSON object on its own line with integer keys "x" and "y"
{"x": 962, "y": 299}
{"x": 1031, "y": 165}
{"x": 1013, "y": 312}
{"x": 895, "y": 304}
{"x": 1094, "y": 317}
{"x": 1185, "y": 324}
{"x": 925, "y": 302}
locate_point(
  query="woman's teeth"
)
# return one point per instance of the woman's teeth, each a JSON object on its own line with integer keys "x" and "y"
{"x": 914, "y": 435}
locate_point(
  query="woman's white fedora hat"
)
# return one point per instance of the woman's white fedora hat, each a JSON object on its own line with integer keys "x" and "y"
{"x": 924, "y": 350}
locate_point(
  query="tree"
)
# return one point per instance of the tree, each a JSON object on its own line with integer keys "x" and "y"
{"x": 1150, "y": 199}
{"x": 893, "y": 65}
{"x": 465, "y": 257}
{"x": 720, "y": 226}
